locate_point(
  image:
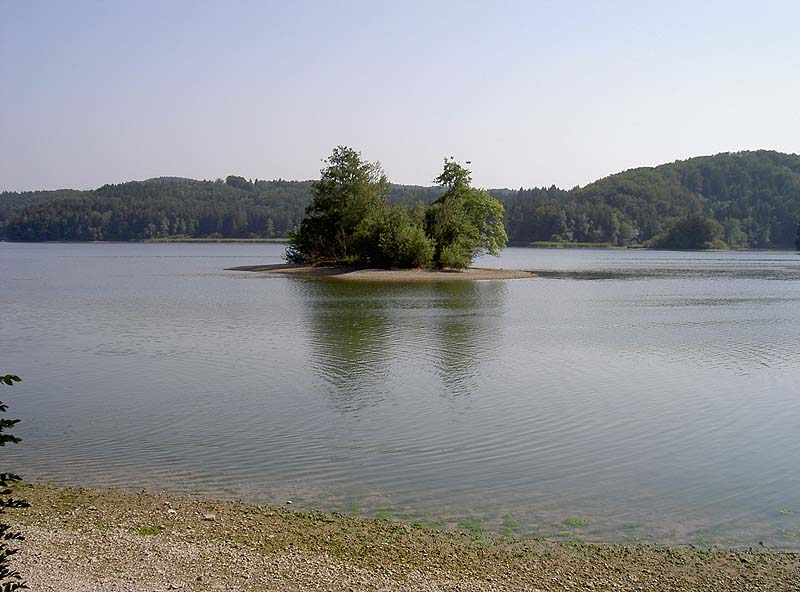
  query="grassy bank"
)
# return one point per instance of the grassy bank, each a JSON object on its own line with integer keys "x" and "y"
{"x": 86, "y": 539}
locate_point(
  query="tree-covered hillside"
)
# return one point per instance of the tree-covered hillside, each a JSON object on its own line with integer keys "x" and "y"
{"x": 754, "y": 197}
{"x": 160, "y": 208}
{"x": 169, "y": 207}
{"x": 743, "y": 199}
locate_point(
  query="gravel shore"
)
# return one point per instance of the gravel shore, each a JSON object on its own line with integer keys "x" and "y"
{"x": 389, "y": 275}
{"x": 103, "y": 541}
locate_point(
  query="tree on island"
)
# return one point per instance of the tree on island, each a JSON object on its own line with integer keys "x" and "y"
{"x": 350, "y": 221}
{"x": 348, "y": 204}
{"x": 465, "y": 222}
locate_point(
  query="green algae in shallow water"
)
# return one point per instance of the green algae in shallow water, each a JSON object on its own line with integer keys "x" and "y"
{"x": 509, "y": 522}
{"x": 473, "y": 524}
{"x": 385, "y": 513}
{"x": 576, "y": 521}
{"x": 708, "y": 537}
{"x": 790, "y": 534}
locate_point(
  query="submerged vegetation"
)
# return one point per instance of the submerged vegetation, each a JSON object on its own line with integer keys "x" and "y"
{"x": 745, "y": 200}
{"x": 350, "y": 221}
{"x": 107, "y": 534}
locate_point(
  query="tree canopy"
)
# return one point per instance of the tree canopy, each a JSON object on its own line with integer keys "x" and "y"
{"x": 350, "y": 220}
{"x": 348, "y": 206}
{"x": 692, "y": 232}
{"x": 753, "y": 196}
{"x": 465, "y": 222}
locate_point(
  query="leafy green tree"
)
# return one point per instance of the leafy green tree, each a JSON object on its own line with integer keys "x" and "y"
{"x": 692, "y": 232}
{"x": 465, "y": 222}
{"x": 348, "y": 205}
{"x": 733, "y": 235}
{"x": 402, "y": 241}
{"x": 10, "y": 579}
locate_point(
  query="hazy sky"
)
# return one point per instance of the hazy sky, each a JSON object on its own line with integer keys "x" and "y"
{"x": 533, "y": 93}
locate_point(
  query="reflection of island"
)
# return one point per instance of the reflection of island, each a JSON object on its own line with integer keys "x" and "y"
{"x": 467, "y": 329}
{"x": 348, "y": 330}
{"x": 376, "y": 341}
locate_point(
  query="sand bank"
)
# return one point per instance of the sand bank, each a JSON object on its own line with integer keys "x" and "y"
{"x": 389, "y": 275}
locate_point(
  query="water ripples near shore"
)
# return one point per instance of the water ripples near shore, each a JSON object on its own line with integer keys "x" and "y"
{"x": 618, "y": 396}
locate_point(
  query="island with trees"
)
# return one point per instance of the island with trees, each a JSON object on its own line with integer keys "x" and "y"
{"x": 736, "y": 200}
{"x": 350, "y": 226}
{"x": 351, "y": 222}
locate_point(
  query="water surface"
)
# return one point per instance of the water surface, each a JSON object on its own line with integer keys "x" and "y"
{"x": 622, "y": 395}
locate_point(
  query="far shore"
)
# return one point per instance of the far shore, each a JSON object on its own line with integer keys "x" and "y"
{"x": 105, "y": 540}
{"x": 388, "y": 275}
{"x": 278, "y": 241}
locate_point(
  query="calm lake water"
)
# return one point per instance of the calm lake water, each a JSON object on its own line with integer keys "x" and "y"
{"x": 621, "y": 395}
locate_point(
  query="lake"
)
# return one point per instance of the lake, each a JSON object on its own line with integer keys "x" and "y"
{"x": 619, "y": 396}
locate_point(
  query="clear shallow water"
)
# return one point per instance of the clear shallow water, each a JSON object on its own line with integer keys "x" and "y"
{"x": 623, "y": 395}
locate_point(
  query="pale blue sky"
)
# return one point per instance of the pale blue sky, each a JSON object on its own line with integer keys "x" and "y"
{"x": 533, "y": 93}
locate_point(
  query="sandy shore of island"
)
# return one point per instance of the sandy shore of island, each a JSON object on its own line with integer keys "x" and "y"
{"x": 389, "y": 275}
{"x": 105, "y": 540}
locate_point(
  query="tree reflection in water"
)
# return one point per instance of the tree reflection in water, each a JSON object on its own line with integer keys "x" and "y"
{"x": 372, "y": 342}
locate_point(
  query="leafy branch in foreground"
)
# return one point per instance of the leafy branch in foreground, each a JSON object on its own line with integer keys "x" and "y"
{"x": 10, "y": 579}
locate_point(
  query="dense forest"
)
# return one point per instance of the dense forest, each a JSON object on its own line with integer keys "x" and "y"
{"x": 169, "y": 207}
{"x": 744, "y": 199}
{"x": 739, "y": 200}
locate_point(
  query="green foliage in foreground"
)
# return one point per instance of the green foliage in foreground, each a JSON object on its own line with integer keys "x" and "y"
{"x": 350, "y": 221}
{"x": 10, "y": 579}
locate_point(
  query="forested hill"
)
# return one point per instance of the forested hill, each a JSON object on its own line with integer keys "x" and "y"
{"x": 168, "y": 207}
{"x": 743, "y": 199}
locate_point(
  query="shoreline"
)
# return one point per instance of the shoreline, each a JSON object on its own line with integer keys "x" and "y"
{"x": 103, "y": 540}
{"x": 386, "y": 275}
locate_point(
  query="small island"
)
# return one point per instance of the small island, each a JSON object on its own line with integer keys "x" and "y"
{"x": 351, "y": 232}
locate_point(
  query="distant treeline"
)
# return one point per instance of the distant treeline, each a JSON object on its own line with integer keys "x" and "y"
{"x": 740, "y": 200}
{"x": 744, "y": 199}
{"x": 168, "y": 207}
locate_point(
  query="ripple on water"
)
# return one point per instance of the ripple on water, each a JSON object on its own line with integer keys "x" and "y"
{"x": 643, "y": 394}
